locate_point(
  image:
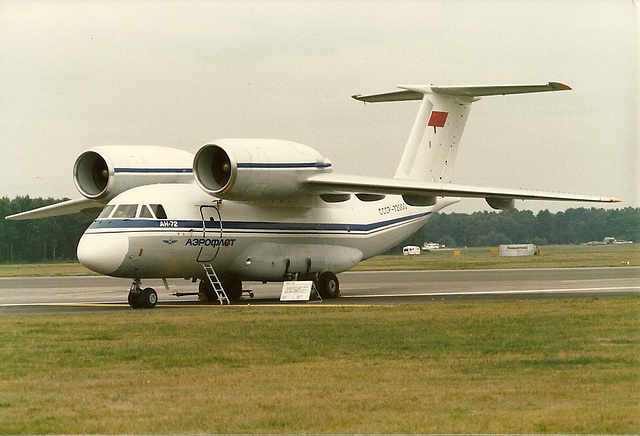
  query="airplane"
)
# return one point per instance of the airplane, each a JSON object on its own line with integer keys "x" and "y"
{"x": 270, "y": 210}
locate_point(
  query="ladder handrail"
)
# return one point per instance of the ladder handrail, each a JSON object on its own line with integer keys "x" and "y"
{"x": 216, "y": 284}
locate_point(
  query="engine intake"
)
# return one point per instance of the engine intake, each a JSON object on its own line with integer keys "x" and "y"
{"x": 91, "y": 174}
{"x": 103, "y": 172}
{"x": 214, "y": 170}
{"x": 256, "y": 169}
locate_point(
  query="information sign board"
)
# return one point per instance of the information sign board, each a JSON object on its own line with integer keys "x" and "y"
{"x": 296, "y": 290}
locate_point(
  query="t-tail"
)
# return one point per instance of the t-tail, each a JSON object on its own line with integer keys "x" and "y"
{"x": 432, "y": 147}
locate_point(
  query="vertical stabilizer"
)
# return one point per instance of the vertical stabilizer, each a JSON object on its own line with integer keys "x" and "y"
{"x": 432, "y": 147}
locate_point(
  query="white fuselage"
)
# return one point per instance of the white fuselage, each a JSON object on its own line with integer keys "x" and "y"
{"x": 262, "y": 241}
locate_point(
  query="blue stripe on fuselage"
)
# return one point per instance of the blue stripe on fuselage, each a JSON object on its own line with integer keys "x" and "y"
{"x": 283, "y": 165}
{"x": 153, "y": 170}
{"x": 146, "y": 225}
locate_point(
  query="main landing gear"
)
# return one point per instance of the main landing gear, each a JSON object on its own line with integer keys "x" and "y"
{"x": 142, "y": 298}
{"x": 328, "y": 285}
{"x": 232, "y": 287}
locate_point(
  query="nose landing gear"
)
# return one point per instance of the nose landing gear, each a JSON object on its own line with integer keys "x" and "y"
{"x": 142, "y": 298}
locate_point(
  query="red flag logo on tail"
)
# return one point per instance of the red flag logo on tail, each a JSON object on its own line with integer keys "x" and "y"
{"x": 437, "y": 119}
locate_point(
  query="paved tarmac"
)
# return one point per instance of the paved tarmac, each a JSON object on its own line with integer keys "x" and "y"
{"x": 39, "y": 295}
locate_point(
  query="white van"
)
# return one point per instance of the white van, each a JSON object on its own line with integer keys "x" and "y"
{"x": 410, "y": 249}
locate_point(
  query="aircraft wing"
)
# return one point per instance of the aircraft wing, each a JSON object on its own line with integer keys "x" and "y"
{"x": 82, "y": 205}
{"x": 339, "y": 183}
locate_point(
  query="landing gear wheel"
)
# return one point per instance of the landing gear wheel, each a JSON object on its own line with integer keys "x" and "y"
{"x": 139, "y": 298}
{"x": 134, "y": 299}
{"x": 328, "y": 285}
{"x": 206, "y": 292}
{"x": 233, "y": 288}
{"x": 135, "y": 295}
{"x": 149, "y": 298}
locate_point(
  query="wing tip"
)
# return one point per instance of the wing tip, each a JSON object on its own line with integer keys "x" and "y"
{"x": 14, "y": 217}
{"x": 559, "y": 86}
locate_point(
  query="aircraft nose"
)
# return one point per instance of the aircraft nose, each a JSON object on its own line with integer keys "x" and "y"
{"x": 103, "y": 254}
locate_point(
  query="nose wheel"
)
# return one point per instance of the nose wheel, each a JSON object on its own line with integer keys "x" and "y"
{"x": 146, "y": 298}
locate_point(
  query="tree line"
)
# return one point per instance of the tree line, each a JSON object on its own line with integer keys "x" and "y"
{"x": 47, "y": 239}
{"x": 56, "y": 238}
{"x": 486, "y": 229}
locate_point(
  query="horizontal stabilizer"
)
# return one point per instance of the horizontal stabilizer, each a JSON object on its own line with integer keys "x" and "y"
{"x": 413, "y": 92}
{"x": 482, "y": 91}
{"x": 373, "y": 185}
{"x": 69, "y": 207}
{"x": 389, "y": 96}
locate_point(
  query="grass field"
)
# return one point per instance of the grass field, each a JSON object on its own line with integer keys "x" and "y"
{"x": 570, "y": 366}
{"x": 43, "y": 269}
{"x": 555, "y": 256}
{"x": 511, "y": 367}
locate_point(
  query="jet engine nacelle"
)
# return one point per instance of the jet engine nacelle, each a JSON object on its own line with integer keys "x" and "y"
{"x": 256, "y": 169}
{"x": 103, "y": 172}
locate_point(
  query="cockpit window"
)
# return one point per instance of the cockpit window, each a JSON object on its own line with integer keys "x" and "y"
{"x": 145, "y": 212}
{"x": 126, "y": 211}
{"x": 159, "y": 211}
{"x": 106, "y": 211}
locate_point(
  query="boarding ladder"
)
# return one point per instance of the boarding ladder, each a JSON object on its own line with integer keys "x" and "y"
{"x": 215, "y": 283}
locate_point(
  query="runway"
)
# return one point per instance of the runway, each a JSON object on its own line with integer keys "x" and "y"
{"x": 40, "y": 295}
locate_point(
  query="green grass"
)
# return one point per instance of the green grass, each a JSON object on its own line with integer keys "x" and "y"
{"x": 555, "y": 256}
{"x": 44, "y": 269}
{"x": 570, "y": 366}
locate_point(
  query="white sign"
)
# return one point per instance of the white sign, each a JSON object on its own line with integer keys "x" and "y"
{"x": 516, "y": 250}
{"x": 296, "y": 291}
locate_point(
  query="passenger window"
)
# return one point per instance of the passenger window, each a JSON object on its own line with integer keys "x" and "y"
{"x": 106, "y": 211}
{"x": 159, "y": 211}
{"x": 145, "y": 212}
{"x": 126, "y": 211}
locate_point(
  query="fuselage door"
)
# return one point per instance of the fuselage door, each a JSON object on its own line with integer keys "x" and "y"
{"x": 211, "y": 233}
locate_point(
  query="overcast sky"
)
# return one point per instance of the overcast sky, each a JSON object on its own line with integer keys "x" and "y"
{"x": 78, "y": 74}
